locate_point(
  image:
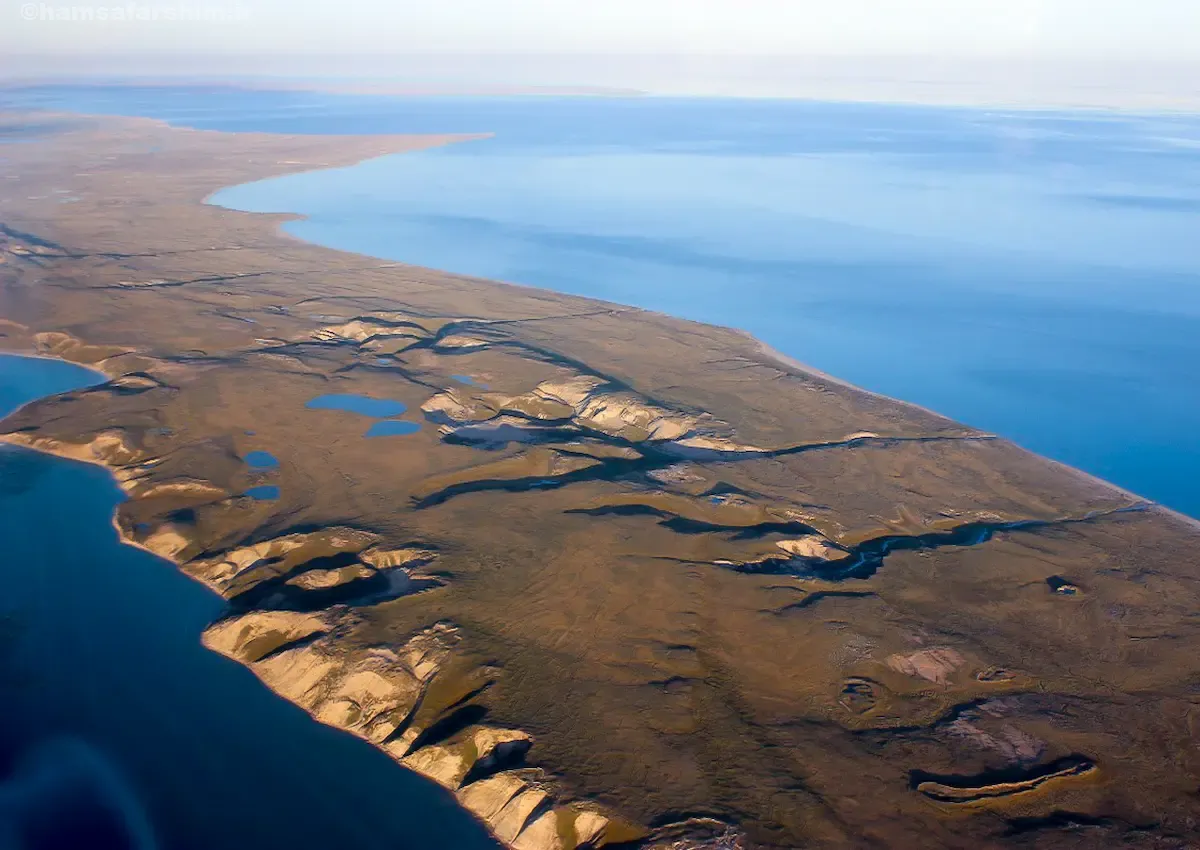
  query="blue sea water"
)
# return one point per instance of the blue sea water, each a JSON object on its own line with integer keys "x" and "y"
{"x": 1031, "y": 273}
{"x": 100, "y": 643}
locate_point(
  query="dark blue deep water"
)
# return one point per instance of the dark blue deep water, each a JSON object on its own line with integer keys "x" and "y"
{"x": 1036, "y": 274}
{"x": 100, "y": 643}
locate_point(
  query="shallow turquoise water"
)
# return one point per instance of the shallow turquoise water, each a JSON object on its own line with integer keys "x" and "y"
{"x": 100, "y": 642}
{"x": 1035, "y": 274}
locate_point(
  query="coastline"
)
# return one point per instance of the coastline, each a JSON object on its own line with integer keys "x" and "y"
{"x": 654, "y": 408}
{"x": 80, "y": 454}
{"x": 240, "y": 697}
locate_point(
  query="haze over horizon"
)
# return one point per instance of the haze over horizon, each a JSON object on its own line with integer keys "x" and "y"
{"x": 1077, "y": 52}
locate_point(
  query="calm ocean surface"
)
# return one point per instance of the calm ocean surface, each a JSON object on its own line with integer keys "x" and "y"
{"x": 1035, "y": 274}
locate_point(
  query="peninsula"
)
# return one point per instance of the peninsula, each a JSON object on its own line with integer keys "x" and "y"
{"x": 610, "y": 577}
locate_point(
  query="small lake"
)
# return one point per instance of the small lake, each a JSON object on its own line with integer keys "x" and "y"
{"x": 393, "y": 428}
{"x": 261, "y": 460}
{"x": 263, "y": 493}
{"x": 360, "y": 404}
{"x": 101, "y": 642}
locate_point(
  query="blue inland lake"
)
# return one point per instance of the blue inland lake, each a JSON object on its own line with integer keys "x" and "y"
{"x": 261, "y": 460}
{"x": 393, "y": 428}
{"x": 360, "y": 404}
{"x": 100, "y": 642}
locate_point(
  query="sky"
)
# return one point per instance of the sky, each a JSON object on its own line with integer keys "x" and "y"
{"x": 395, "y": 34}
{"x": 1151, "y": 29}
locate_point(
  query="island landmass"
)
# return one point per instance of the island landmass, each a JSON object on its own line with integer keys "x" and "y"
{"x": 608, "y": 576}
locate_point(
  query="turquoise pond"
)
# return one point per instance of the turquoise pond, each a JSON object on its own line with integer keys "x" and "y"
{"x": 1032, "y": 273}
{"x": 100, "y": 643}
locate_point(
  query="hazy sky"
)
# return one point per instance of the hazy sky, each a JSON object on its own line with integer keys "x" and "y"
{"x": 1046, "y": 52}
{"x": 1151, "y": 29}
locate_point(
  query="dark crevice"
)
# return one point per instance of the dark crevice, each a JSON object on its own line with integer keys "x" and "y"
{"x": 884, "y": 736}
{"x": 681, "y": 525}
{"x": 114, "y": 388}
{"x": 877, "y": 441}
{"x": 501, "y": 436}
{"x": 680, "y": 817}
{"x": 463, "y": 700}
{"x": 504, "y": 756}
{"x": 450, "y": 725}
{"x": 614, "y": 467}
{"x": 407, "y": 721}
{"x": 817, "y": 596}
{"x": 256, "y": 591}
{"x": 287, "y": 645}
{"x": 169, "y": 284}
{"x": 684, "y": 525}
{"x": 620, "y": 510}
{"x": 38, "y": 241}
{"x": 1058, "y": 820}
{"x": 546, "y": 805}
{"x": 722, "y": 488}
{"x": 390, "y": 367}
{"x": 866, "y": 558}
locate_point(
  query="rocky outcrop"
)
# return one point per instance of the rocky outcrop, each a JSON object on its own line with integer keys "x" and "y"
{"x": 389, "y": 695}
{"x": 111, "y": 448}
{"x": 69, "y": 348}
{"x": 582, "y": 405}
{"x": 239, "y": 570}
{"x": 375, "y": 334}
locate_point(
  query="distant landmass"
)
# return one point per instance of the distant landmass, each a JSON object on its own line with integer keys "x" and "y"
{"x": 1019, "y": 81}
{"x": 331, "y": 85}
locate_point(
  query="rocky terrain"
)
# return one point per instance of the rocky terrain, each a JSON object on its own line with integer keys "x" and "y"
{"x": 621, "y": 579}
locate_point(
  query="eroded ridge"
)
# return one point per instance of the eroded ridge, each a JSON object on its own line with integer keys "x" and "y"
{"x": 961, "y": 790}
